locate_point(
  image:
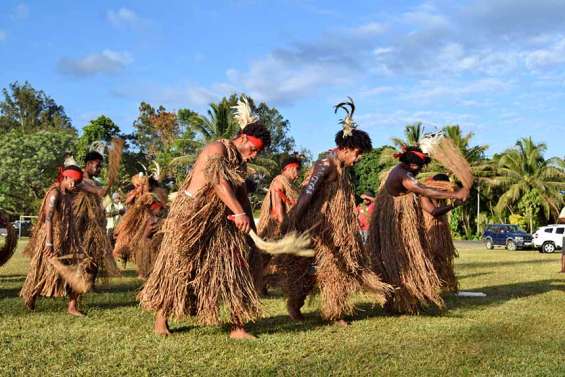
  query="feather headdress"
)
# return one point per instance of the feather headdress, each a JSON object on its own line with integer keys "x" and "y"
{"x": 243, "y": 113}
{"x": 69, "y": 160}
{"x": 347, "y": 123}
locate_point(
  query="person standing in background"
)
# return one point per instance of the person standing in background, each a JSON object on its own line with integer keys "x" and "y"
{"x": 363, "y": 212}
{"x": 114, "y": 212}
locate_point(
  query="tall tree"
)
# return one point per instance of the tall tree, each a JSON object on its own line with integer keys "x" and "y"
{"x": 155, "y": 129}
{"x": 31, "y": 110}
{"x": 412, "y": 134}
{"x": 522, "y": 169}
{"x": 99, "y": 129}
{"x": 29, "y": 166}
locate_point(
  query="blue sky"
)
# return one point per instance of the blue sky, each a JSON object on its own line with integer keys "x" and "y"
{"x": 495, "y": 67}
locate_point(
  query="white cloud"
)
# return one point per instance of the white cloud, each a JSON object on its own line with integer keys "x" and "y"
{"x": 368, "y": 30}
{"x": 428, "y": 90}
{"x": 105, "y": 62}
{"x": 123, "y": 17}
{"x": 21, "y": 11}
{"x": 3, "y": 35}
{"x": 377, "y": 91}
{"x": 426, "y": 16}
{"x": 548, "y": 57}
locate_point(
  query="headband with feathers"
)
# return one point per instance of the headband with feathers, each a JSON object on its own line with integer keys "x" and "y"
{"x": 347, "y": 122}
{"x": 243, "y": 113}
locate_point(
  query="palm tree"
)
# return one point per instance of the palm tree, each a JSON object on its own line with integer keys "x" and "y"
{"x": 218, "y": 124}
{"x": 523, "y": 169}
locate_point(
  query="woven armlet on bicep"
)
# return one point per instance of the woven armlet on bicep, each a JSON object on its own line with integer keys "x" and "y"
{"x": 218, "y": 168}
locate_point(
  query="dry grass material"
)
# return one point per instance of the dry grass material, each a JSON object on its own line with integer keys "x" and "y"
{"x": 90, "y": 220}
{"x": 341, "y": 265}
{"x": 398, "y": 242}
{"x": 10, "y": 241}
{"x": 292, "y": 243}
{"x": 204, "y": 261}
{"x": 42, "y": 278}
{"x": 79, "y": 277}
{"x": 441, "y": 185}
{"x": 147, "y": 250}
{"x": 442, "y": 250}
{"x": 268, "y": 227}
{"x": 114, "y": 159}
{"x": 443, "y": 150}
{"x": 131, "y": 227}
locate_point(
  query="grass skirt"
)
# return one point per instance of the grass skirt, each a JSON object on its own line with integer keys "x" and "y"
{"x": 146, "y": 252}
{"x": 443, "y": 251}
{"x": 397, "y": 240}
{"x": 270, "y": 229}
{"x": 130, "y": 229}
{"x": 90, "y": 221}
{"x": 42, "y": 279}
{"x": 341, "y": 266}
{"x": 204, "y": 260}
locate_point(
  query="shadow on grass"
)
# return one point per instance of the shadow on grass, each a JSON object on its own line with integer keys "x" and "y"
{"x": 507, "y": 263}
{"x": 9, "y": 292}
{"x": 499, "y": 294}
{"x": 283, "y": 324}
{"x": 12, "y": 278}
{"x": 473, "y": 275}
{"x": 122, "y": 287}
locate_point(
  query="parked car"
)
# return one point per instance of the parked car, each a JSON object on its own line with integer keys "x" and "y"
{"x": 507, "y": 235}
{"x": 549, "y": 238}
{"x": 26, "y": 226}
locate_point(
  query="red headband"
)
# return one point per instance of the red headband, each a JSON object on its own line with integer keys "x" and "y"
{"x": 258, "y": 143}
{"x": 292, "y": 165}
{"x": 71, "y": 173}
{"x": 421, "y": 155}
{"x": 156, "y": 205}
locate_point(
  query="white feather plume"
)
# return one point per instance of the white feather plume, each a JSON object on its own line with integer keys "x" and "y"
{"x": 429, "y": 141}
{"x": 243, "y": 114}
{"x": 70, "y": 161}
{"x": 98, "y": 146}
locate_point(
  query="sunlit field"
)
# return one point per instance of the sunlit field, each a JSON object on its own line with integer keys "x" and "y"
{"x": 518, "y": 329}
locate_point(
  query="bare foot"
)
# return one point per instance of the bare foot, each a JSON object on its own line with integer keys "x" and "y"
{"x": 161, "y": 325}
{"x": 72, "y": 309}
{"x": 294, "y": 312}
{"x": 240, "y": 333}
{"x": 30, "y": 305}
{"x": 75, "y": 312}
{"x": 341, "y": 323}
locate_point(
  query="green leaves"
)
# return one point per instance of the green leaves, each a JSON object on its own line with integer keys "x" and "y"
{"x": 29, "y": 167}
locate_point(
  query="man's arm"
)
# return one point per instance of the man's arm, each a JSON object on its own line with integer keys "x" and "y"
{"x": 49, "y": 211}
{"x": 411, "y": 184}
{"x": 430, "y": 207}
{"x": 321, "y": 170}
{"x": 93, "y": 189}
{"x": 277, "y": 204}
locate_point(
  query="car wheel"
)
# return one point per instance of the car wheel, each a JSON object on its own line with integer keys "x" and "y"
{"x": 488, "y": 244}
{"x": 510, "y": 245}
{"x": 548, "y": 247}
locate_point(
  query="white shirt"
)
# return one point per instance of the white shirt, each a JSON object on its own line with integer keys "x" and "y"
{"x": 112, "y": 221}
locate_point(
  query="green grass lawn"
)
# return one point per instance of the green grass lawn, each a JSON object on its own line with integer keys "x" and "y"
{"x": 517, "y": 330}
